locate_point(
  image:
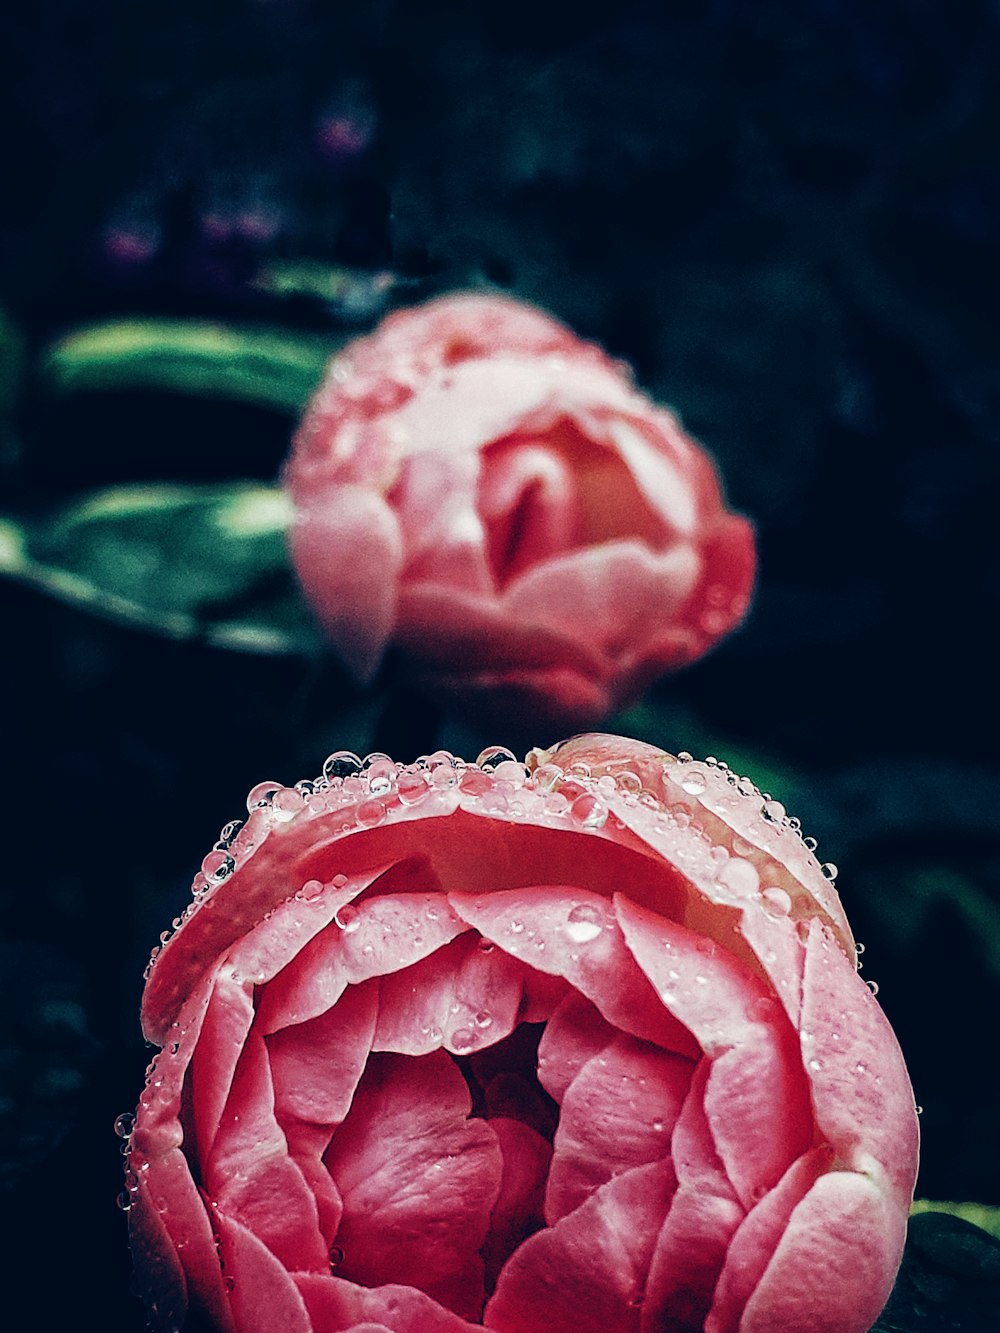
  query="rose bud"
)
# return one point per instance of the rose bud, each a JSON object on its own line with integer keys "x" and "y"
{"x": 477, "y": 486}
{"x": 578, "y": 1045}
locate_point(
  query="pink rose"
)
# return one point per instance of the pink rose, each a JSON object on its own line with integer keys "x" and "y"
{"x": 477, "y": 486}
{"x": 452, "y": 1046}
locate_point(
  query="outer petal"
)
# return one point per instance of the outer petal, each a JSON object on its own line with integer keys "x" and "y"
{"x": 334, "y": 1304}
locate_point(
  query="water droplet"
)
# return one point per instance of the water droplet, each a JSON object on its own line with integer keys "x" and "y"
{"x": 546, "y": 776}
{"x": 336, "y": 1256}
{"x": 125, "y": 1124}
{"x": 370, "y": 813}
{"x": 628, "y": 783}
{"x": 347, "y": 919}
{"x": 217, "y": 866}
{"x": 262, "y": 794}
{"x": 510, "y": 771}
{"x": 810, "y": 844}
{"x": 746, "y": 787}
{"x": 584, "y": 923}
{"x": 773, "y": 810}
{"x": 684, "y": 756}
{"x": 483, "y": 1019}
{"x": 776, "y": 902}
{"x": 516, "y": 927}
{"x": 589, "y": 812}
{"x": 310, "y": 890}
{"x": 382, "y": 774}
{"x": 493, "y": 756}
{"x": 872, "y": 986}
{"x": 918, "y": 1110}
{"x": 341, "y": 764}
{"x": 860, "y": 1069}
{"x": 286, "y": 804}
{"x": 124, "y": 1201}
{"x": 229, "y": 1283}
{"x": 578, "y": 770}
{"x": 815, "y": 1065}
{"x": 694, "y": 781}
{"x": 474, "y": 782}
{"x": 412, "y": 786}
{"x": 486, "y": 946}
{"x": 227, "y": 834}
{"x": 339, "y": 881}
{"x": 738, "y": 877}
{"x": 659, "y": 1126}
{"x": 829, "y": 870}
{"x": 463, "y": 1039}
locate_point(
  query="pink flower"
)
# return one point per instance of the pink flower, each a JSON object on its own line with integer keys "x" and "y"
{"x": 477, "y": 486}
{"x": 449, "y": 1046}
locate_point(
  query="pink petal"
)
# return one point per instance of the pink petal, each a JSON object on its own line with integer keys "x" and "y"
{"x": 457, "y": 992}
{"x": 616, "y": 594}
{"x": 701, "y": 1220}
{"x": 834, "y": 1266}
{"x": 533, "y": 924}
{"x": 861, "y": 1092}
{"x": 418, "y": 1178}
{"x": 381, "y": 934}
{"x": 223, "y": 1034}
{"x": 159, "y": 1275}
{"x": 757, "y": 1098}
{"x": 518, "y": 1211}
{"x": 756, "y": 1240}
{"x": 348, "y": 554}
{"x": 529, "y": 502}
{"x": 574, "y": 1033}
{"x": 659, "y": 457}
{"x": 250, "y": 1176}
{"x": 434, "y": 499}
{"x": 617, "y": 1114}
{"x": 263, "y": 1296}
{"x": 542, "y": 995}
{"x": 588, "y": 1272}
{"x": 336, "y": 1304}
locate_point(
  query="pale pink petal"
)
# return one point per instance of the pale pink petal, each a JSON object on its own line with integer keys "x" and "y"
{"x": 701, "y": 1220}
{"x": 334, "y": 1304}
{"x": 860, "y": 1089}
{"x": 757, "y": 1097}
{"x": 618, "y": 1113}
{"x": 754, "y": 1244}
{"x": 457, "y": 992}
{"x": 418, "y": 1178}
{"x": 262, "y": 1294}
{"x": 519, "y": 1209}
{"x": 575, "y": 1032}
{"x": 367, "y": 938}
{"x": 533, "y": 924}
{"x": 250, "y": 1175}
{"x": 434, "y": 497}
{"x": 621, "y": 591}
{"x": 835, "y": 1265}
{"x": 348, "y": 554}
{"x": 530, "y": 505}
{"x": 588, "y": 1272}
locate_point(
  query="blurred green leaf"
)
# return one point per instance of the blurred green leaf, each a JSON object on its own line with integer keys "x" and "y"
{"x": 983, "y": 1215}
{"x": 259, "y": 365}
{"x": 190, "y": 562}
{"x": 949, "y": 1281}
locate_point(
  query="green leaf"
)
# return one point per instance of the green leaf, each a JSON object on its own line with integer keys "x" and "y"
{"x": 191, "y": 562}
{"x": 949, "y": 1281}
{"x": 983, "y": 1215}
{"x": 259, "y": 365}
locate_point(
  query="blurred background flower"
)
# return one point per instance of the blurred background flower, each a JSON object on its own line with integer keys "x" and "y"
{"x": 785, "y": 220}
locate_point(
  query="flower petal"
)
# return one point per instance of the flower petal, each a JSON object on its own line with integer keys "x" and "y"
{"x": 336, "y": 1304}
{"x": 588, "y": 1272}
{"x": 574, "y": 1033}
{"x": 263, "y": 1296}
{"x": 418, "y": 1178}
{"x": 519, "y": 1209}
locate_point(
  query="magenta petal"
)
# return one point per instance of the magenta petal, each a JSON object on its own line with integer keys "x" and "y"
{"x": 835, "y": 1264}
{"x": 757, "y": 1098}
{"x": 336, "y": 1304}
{"x": 161, "y": 1279}
{"x": 617, "y": 1114}
{"x": 588, "y": 1272}
{"x": 418, "y": 1178}
{"x": 754, "y": 1244}
{"x": 701, "y": 1220}
{"x": 574, "y": 1033}
{"x": 458, "y": 992}
{"x": 533, "y": 924}
{"x": 262, "y": 1294}
{"x": 250, "y": 1175}
{"x": 367, "y": 938}
{"x": 518, "y": 1211}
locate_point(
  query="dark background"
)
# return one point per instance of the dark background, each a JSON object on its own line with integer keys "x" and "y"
{"x": 785, "y": 217}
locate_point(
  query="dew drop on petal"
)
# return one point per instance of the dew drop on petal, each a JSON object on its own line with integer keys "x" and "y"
{"x": 462, "y": 1039}
{"x": 124, "y": 1124}
{"x": 694, "y": 780}
{"x": 341, "y": 764}
{"x": 124, "y": 1201}
{"x": 810, "y": 843}
{"x": 370, "y": 813}
{"x": 286, "y": 804}
{"x": 829, "y": 870}
{"x": 346, "y": 918}
{"x": 262, "y": 794}
{"x": 872, "y": 986}
{"x": 776, "y": 902}
{"x": 773, "y": 811}
{"x": 382, "y": 775}
{"x": 509, "y": 770}
{"x": 336, "y": 1257}
{"x": 546, "y": 776}
{"x": 684, "y": 756}
{"x": 483, "y": 1019}
{"x": 493, "y": 756}
{"x": 584, "y": 923}
{"x": 475, "y": 782}
{"x": 589, "y": 812}
{"x": 412, "y": 787}
{"x": 310, "y": 890}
